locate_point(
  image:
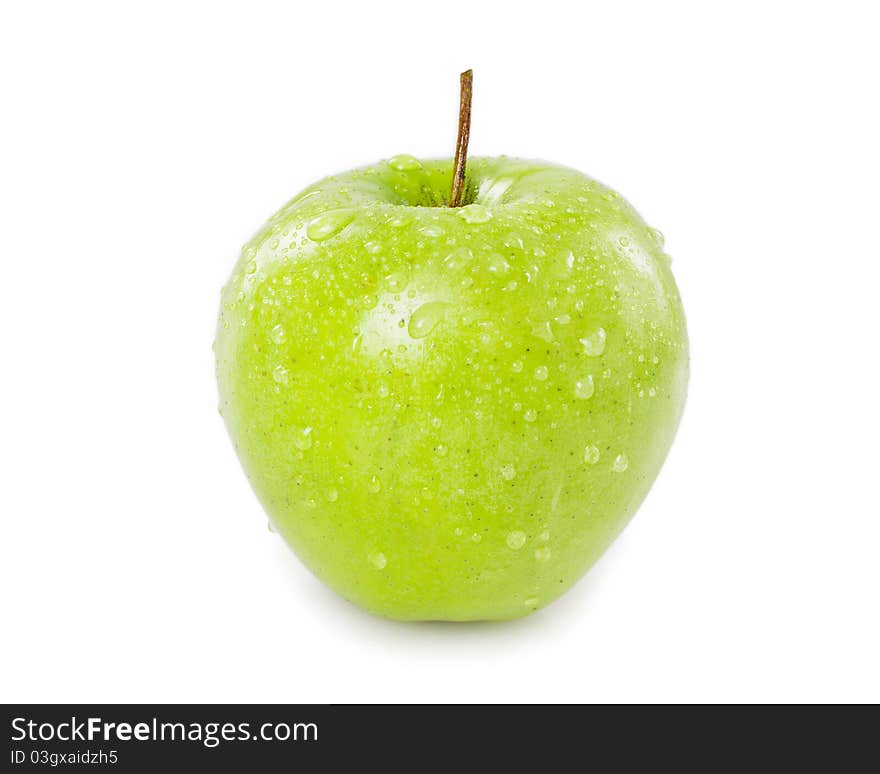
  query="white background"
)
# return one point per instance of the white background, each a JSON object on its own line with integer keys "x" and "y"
{"x": 143, "y": 144}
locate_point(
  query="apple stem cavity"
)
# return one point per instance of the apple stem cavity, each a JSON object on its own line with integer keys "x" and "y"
{"x": 459, "y": 170}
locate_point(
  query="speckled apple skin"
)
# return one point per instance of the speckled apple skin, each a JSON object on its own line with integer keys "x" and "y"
{"x": 451, "y": 413}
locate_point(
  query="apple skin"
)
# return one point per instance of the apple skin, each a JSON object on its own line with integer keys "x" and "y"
{"x": 449, "y": 414}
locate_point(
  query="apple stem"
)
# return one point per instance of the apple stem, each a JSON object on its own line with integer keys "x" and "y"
{"x": 459, "y": 170}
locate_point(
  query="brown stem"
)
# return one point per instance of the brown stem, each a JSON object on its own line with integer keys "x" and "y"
{"x": 459, "y": 170}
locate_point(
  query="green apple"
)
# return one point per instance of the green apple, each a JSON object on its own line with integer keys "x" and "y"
{"x": 450, "y": 412}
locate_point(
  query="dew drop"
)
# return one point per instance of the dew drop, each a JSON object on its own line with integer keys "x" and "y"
{"x": 544, "y": 536}
{"x": 403, "y": 162}
{"x": 508, "y": 472}
{"x": 382, "y": 390}
{"x": 279, "y": 374}
{"x": 374, "y": 484}
{"x": 620, "y": 464}
{"x": 543, "y": 331}
{"x": 594, "y": 342}
{"x": 279, "y": 335}
{"x": 270, "y": 526}
{"x": 497, "y": 264}
{"x": 517, "y": 366}
{"x": 426, "y": 318}
{"x": 302, "y": 439}
{"x": 251, "y": 267}
{"x": 584, "y": 388}
{"x": 657, "y": 236}
{"x": 543, "y": 553}
{"x": 441, "y": 450}
{"x": 624, "y": 241}
{"x": 531, "y": 602}
{"x": 329, "y": 224}
{"x": 591, "y": 454}
{"x": 541, "y": 373}
{"x": 474, "y": 213}
{"x": 458, "y": 258}
{"x": 516, "y": 539}
{"x": 396, "y": 282}
{"x": 378, "y": 560}
{"x": 476, "y": 537}
{"x": 531, "y": 415}
{"x": 332, "y": 495}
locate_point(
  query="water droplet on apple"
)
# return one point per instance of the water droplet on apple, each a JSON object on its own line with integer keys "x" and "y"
{"x": 302, "y": 438}
{"x": 541, "y": 373}
{"x": 594, "y": 342}
{"x": 474, "y": 213}
{"x": 531, "y": 415}
{"x": 543, "y": 331}
{"x": 382, "y": 390}
{"x": 441, "y": 450}
{"x": 278, "y": 334}
{"x": 279, "y": 374}
{"x": 517, "y": 366}
{"x": 403, "y": 162}
{"x": 458, "y": 532}
{"x": 378, "y": 560}
{"x": 458, "y": 258}
{"x": 271, "y": 527}
{"x": 328, "y": 224}
{"x": 476, "y": 537}
{"x": 531, "y": 602}
{"x": 332, "y": 495}
{"x": 591, "y": 454}
{"x": 543, "y": 553}
{"x": 657, "y": 236}
{"x": 624, "y": 241}
{"x": 620, "y": 464}
{"x": 374, "y": 484}
{"x": 508, "y": 472}
{"x": 497, "y": 264}
{"x": 516, "y": 539}
{"x": 544, "y": 536}
{"x": 396, "y": 282}
{"x": 426, "y": 318}
{"x": 432, "y": 230}
{"x": 584, "y": 388}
